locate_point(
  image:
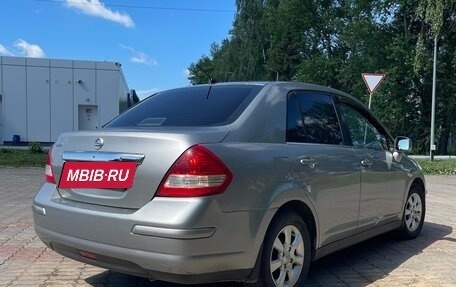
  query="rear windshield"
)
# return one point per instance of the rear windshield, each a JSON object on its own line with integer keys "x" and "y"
{"x": 192, "y": 106}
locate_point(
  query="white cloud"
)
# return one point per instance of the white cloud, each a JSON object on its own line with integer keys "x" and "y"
{"x": 139, "y": 56}
{"x": 98, "y": 9}
{"x": 22, "y": 48}
{"x": 186, "y": 72}
{"x": 5, "y": 51}
{"x": 29, "y": 50}
{"x": 143, "y": 58}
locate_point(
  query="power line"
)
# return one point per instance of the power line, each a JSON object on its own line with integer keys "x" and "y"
{"x": 141, "y": 7}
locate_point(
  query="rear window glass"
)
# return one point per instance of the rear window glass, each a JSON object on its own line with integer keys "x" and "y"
{"x": 192, "y": 106}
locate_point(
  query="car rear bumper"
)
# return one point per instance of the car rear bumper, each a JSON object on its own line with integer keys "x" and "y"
{"x": 178, "y": 240}
{"x": 166, "y": 267}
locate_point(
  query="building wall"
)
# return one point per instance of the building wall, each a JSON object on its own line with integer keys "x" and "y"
{"x": 42, "y": 98}
{"x": 38, "y": 110}
{"x": 14, "y": 98}
{"x": 62, "y": 114}
{"x": 1, "y": 102}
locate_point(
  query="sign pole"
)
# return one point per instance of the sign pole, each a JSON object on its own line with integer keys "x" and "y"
{"x": 365, "y": 128}
{"x": 370, "y": 100}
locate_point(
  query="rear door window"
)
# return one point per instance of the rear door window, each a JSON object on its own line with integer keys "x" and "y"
{"x": 312, "y": 118}
{"x": 192, "y": 106}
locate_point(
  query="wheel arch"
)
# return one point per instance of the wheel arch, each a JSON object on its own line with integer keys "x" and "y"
{"x": 414, "y": 181}
{"x": 419, "y": 182}
{"x": 305, "y": 212}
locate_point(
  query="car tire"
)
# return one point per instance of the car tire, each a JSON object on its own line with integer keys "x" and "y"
{"x": 413, "y": 214}
{"x": 286, "y": 252}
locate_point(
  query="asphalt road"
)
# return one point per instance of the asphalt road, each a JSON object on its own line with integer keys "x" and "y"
{"x": 429, "y": 260}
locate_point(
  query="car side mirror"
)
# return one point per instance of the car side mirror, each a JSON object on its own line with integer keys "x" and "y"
{"x": 401, "y": 144}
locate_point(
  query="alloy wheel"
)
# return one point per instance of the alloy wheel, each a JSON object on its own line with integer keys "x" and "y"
{"x": 287, "y": 256}
{"x": 413, "y": 212}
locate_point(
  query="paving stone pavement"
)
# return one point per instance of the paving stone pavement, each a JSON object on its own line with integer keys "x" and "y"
{"x": 429, "y": 260}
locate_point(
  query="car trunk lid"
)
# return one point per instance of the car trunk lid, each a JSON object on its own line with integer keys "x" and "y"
{"x": 154, "y": 152}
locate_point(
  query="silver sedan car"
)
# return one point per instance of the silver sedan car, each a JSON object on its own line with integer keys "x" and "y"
{"x": 231, "y": 181}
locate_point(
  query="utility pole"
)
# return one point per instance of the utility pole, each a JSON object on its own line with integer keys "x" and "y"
{"x": 434, "y": 80}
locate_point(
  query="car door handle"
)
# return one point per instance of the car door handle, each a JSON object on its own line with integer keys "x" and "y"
{"x": 308, "y": 161}
{"x": 367, "y": 163}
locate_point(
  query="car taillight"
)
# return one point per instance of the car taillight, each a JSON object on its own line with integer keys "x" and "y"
{"x": 197, "y": 172}
{"x": 48, "y": 171}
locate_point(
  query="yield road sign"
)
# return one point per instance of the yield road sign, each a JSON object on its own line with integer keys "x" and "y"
{"x": 372, "y": 81}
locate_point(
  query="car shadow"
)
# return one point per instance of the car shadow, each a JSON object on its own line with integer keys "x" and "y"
{"x": 362, "y": 264}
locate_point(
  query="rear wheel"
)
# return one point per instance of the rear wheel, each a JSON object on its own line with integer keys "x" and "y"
{"x": 286, "y": 253}
{"x": 414, "y": 213}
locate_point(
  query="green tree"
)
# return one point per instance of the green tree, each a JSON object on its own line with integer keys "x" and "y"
{"x": 331, "y": 42}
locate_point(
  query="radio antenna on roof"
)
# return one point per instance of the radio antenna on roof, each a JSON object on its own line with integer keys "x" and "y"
{"x": 211, "y": 80}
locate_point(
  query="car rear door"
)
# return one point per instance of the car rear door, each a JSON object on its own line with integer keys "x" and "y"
{"x": 382, "y": 179}
{"x": 323, "y": 165}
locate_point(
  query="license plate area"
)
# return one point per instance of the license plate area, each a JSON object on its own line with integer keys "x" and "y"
{"x": 101, "y": 175}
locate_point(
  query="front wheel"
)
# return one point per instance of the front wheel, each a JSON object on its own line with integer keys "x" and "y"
{"x": 414, "y": 212}
{"x": 286, "y": 253}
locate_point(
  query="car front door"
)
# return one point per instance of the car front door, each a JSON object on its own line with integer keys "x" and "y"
{"x": 382, "y": 179}
{"x": 323, "y": 165}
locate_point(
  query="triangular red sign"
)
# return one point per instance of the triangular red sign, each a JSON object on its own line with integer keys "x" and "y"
{"x": 372, "y": 81}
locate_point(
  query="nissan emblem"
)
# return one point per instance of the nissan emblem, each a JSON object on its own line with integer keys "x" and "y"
{"x": 98, "y": 143}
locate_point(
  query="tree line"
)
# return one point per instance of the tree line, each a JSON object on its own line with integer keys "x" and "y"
{"x": 331, "y": 42}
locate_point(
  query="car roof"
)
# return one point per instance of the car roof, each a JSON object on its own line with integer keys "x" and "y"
{"x": 290, "y": 85}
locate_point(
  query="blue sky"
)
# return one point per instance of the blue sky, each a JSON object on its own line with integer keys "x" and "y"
{"x": 154, "y": 44}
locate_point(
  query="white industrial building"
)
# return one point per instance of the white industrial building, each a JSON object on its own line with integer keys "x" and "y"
{"x": 42, "y": 98}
